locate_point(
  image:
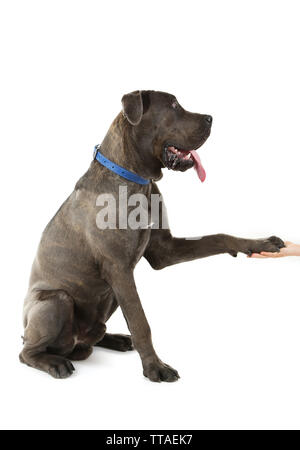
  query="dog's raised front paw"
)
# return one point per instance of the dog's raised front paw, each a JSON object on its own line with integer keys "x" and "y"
{"x": 158, "y": 371}
{"x": 272, "y": 244}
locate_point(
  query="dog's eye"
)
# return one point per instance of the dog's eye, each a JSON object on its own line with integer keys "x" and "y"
{"x": 175, "y": 104}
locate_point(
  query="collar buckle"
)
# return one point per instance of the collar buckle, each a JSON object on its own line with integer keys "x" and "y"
{"x": 96, "y": 148}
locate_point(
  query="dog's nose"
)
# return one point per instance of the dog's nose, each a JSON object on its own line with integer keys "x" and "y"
{"x": 209, "y": 119}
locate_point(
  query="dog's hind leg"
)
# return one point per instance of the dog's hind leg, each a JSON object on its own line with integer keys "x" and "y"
{"x": 48, "y": 333}
{"x": 119, "y": 342}
{"x": 81, "y": 351}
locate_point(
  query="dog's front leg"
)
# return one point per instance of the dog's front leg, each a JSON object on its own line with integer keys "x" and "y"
{"x": 164, "y": 250}
{"x": 125, "y": 291}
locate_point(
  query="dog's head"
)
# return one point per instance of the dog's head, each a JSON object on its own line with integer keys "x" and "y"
{"x": 163, "y": 128}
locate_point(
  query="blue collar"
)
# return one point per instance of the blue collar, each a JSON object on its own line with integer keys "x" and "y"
{"x": 118, "y": 169}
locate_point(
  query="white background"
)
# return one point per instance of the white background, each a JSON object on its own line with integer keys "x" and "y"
{"x": 229, "y": 325}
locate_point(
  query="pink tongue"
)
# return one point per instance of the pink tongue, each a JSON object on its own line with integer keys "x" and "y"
{"x": 198, "y": 165}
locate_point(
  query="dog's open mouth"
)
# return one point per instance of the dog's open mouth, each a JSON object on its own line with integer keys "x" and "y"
{"x": 182, "y": 160}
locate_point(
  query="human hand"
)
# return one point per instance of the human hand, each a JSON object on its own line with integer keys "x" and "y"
{"x": 290, "y": 249}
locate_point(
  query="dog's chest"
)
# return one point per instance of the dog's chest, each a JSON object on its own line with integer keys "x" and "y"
{"x": 142, "y": 242}
{"x": 122, "y": 226}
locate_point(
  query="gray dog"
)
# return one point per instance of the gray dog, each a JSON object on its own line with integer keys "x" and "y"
{"x": 83, "y": 272}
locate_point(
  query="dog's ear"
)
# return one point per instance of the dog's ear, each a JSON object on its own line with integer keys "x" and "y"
{"x": 133, "y": 107}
